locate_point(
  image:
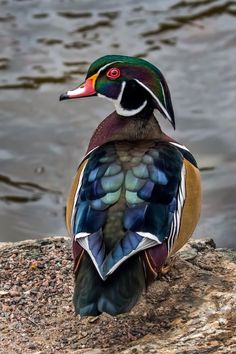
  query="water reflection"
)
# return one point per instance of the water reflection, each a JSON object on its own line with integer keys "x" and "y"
{"x": 47, "y": 47}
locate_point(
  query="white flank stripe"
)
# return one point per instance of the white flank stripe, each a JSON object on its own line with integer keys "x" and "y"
{"x": 171, "y": 230}
{"x": 171, "y": 238}
{"x": 174, "y": 231}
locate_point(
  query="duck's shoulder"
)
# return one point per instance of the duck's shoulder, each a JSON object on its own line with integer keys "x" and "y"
{"x": 185, "y": 152}
{"x": 132, "y": 151}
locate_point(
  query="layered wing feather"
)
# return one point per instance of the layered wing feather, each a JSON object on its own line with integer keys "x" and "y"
{"x": 144, "y": 185}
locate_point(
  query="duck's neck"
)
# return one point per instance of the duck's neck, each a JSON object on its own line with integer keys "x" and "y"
{"x": 115, "y": 128}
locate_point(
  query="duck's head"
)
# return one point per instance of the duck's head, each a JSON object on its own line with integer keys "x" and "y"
{"x": 132, "y": 84}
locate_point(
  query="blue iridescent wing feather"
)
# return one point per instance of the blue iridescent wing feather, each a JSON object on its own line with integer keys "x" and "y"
{"x": 143, "y": 183}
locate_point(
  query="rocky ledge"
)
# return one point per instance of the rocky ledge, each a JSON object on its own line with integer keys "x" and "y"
{"x": 191, "y": 309}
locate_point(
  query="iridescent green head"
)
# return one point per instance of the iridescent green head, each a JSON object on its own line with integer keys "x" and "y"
{"x": 132, "y": 84}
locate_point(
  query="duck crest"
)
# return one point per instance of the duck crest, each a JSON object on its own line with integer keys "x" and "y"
{"x": 136, "y": 196}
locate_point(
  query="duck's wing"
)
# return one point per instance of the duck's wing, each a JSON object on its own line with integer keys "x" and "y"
{"x": 97, "y": 186}
{"x": 146, "y": 181}
{"x": 184, "y": 212}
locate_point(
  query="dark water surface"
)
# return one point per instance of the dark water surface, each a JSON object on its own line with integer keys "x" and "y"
{"x": 46, "y": 47}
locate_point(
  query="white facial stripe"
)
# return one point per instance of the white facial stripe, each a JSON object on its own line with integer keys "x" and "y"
{"x": 103, "y": 67}
{"x": 125, "y": 112}
{"x": 117, "y": 102}
{"x": 119, "y": 98}
{"x": 163, "y": 93}
{"x": 119, "y": 109}
{"x": 156, "y": 98}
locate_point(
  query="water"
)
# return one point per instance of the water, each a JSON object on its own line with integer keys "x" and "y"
{"x": 46, "y": 48}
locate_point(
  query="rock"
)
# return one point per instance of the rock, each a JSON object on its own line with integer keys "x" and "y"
{"x": 191, "y": 309}
{"x": 14, "y": 293}
{"x": 4, "y": 292}
{"x": 32, "y": 346}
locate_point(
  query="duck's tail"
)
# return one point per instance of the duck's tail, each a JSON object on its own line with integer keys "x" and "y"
{"x": 117, "y": 294}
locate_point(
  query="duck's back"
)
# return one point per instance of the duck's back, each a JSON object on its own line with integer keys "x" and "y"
{"x": 132, "y": 204}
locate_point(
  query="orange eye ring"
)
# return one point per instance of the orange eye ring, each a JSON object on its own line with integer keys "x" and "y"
{"x": 113, "y": 73}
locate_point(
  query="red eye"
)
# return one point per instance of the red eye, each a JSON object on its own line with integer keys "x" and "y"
{"x": 113, "y": 73}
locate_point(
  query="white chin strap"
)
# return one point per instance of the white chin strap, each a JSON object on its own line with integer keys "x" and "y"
{"x": 117, "y": 103}
{"x": 128, "y": 113}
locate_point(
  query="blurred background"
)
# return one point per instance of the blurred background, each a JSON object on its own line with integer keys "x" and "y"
{"x": 46, "y": 48}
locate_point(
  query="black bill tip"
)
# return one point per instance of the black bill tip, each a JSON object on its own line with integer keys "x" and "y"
{"x": 63, "y": 96}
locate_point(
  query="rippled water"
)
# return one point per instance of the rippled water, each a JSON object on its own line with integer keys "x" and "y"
{"x": 46, "y": 47}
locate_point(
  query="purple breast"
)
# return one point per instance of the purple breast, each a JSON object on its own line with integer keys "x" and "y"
{"x": 108, "y": 127}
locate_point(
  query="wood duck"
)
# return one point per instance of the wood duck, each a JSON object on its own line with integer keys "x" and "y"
{"x": 136, "y": 196}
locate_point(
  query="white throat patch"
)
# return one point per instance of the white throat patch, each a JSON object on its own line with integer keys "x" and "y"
{"x": 117, "y": 103}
